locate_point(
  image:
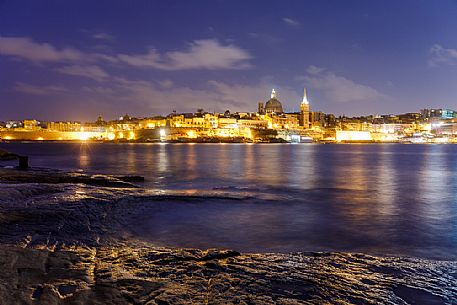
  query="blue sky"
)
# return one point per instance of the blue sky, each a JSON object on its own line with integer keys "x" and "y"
{"x": 73, "y": 60}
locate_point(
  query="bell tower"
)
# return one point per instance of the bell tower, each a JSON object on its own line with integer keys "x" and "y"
{"x": 304, "y": 111}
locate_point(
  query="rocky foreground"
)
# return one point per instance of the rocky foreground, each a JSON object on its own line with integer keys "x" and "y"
{"x": 124, "y": 274}
{"x": 62, "y": 242}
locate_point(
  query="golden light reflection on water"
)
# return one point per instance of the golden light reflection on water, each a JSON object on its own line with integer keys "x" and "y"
{"x": 385, "y": 182}
{"x": 132, "y": 158}
{"x": 271, "y": 164}
{"x": 303, "y": 161}
{"x": 162, "y": 158}
{"x": 84, "y": 155}
{"x": 377, "y": 198}
{"x": 190, "y": 161}
{"x": 433, "y": 182}
{"x": 249, "y": 163}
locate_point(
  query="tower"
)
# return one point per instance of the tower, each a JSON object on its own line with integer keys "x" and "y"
{"x": 304, "y": 111}
{"x": 260, "y": 108}
{"x": 305, "y": 97}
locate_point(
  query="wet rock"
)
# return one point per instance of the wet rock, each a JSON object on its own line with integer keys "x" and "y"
{"x": 106, "y": 274}
{"x": 9, "y": 175}
{"x": 130, "y": 178}
{"x": 417, "y": 296}
{"x": 221, "y": 254}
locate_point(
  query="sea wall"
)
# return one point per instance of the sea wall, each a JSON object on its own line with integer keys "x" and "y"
{"x": 46, "y": 135}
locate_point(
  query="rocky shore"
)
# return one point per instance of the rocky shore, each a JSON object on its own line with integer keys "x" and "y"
{"x": 63, "y": 241}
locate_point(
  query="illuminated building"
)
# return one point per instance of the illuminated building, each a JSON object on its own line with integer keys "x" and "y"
{"x": 252, "y": 123}
{"x": 31, "y": 124}
{"x": 260, "y": 108}
{"x": 64, "y": 126}
{"x": 273, "y": 105}
{"x": 13, "y": 124}
{"x": 151, "y": 123}
{"x": 317, "y": 119}
{"x": 445, "y": 127}
{"x": 282, "y": 121}
{"x": 269, "y": 124}
{"x": 353, "y": 136}
{"x": 227, "y": 122}
{"x": 438, "y": 113}
{"x": 304, "y": 111}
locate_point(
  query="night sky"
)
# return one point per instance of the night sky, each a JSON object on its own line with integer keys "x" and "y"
{"x": 73, "y": 60}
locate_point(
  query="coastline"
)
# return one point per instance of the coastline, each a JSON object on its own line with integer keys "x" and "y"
{"x": 62, "y": 242}
{"x": 191, "y": 141}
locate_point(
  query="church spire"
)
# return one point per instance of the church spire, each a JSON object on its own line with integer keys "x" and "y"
{"x": 305, "y": 97}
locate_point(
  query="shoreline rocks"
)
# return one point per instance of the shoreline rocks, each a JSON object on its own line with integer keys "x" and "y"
{"x": 137, "y": 273}
{"x": 37, "y": 175}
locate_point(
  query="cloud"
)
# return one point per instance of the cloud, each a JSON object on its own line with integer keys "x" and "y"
{"x": 103, "y": 36}
{"x": 38, "y": 90}
{"x": 441, "y": 55}
{"x": 290, "y": 21}
{"x": 25, "y": 48}
{"x": 340, "y": 89}
{"x": 146, "y": 98}
{"x": 314, "y": 70}
{"x": 92, "y": 72}
{"x": 245, "y": 97}
{"x": 201, "y": 54}
{"x": 162, "y": 97}
{"x": 152, "y": 98}
{"x": 99, "y": 90}
{"x": 166, "y": 83}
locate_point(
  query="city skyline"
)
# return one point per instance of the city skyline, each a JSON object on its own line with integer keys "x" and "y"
{"x": 75, "y": 60}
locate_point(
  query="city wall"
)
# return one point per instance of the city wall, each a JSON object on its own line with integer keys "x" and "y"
{"x": 45, "y": 135}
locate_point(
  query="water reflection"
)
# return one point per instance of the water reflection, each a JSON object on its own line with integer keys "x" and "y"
{"x": 162, "y": 159}
{"x": 303, "y": 161}
{"x": 385, "y": 182}
{"x": 84, "y": 156}
{"x": 381, "y": 199}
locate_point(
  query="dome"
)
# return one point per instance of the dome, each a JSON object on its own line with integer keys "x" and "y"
{"x": 273, "y": 104}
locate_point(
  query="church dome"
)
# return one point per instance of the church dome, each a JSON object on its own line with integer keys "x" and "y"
{"x": 273, "y": 104}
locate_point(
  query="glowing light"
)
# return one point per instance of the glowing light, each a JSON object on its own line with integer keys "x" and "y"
{"x": 305, "y": 97}
{"x": 150, "y": 125}
{"x": 353, "y": 136}
{"x": 111, "y": 136}
{"x": 440, "y": 140}
{"x": 191, "y": 134}
{"x": 162, "y": 133}
{"x": 8, "y": 138}
{"x": 131, "y": 135}
{"x": 83, "y": 136}
{"x": 121, "y": 135}
{"x": 223, "y": 133}
{"x": 249, "y": 133}
{"x": 39, "y": 139}
{"x": 273, "y": 93}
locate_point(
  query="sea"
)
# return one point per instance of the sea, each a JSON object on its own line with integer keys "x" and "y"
{"x": 380, "y": 199}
